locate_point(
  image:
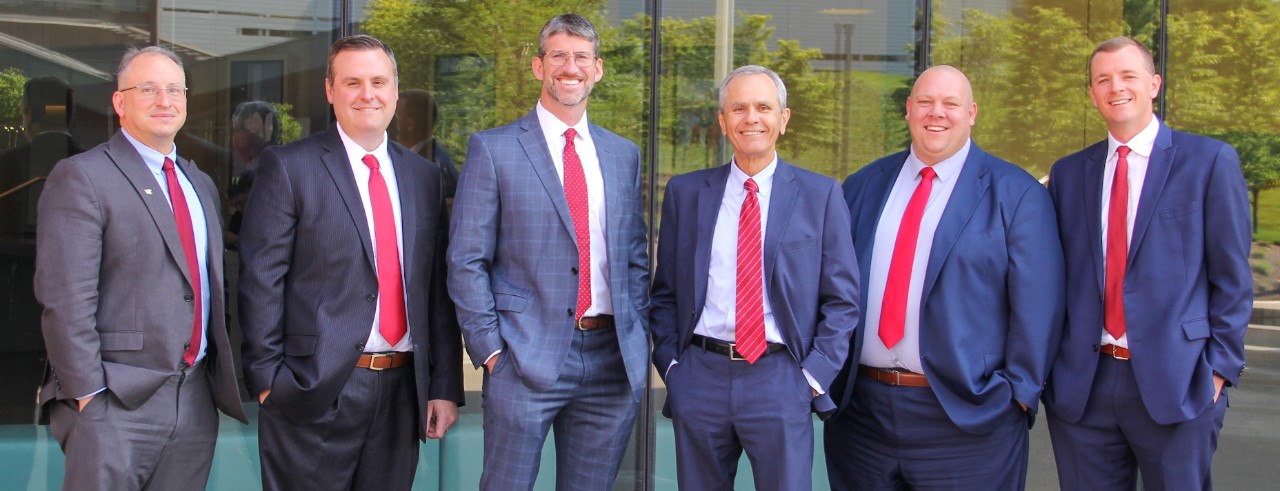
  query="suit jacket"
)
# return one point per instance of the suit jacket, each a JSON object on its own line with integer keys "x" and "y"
{"x": 810, "y": 269}
{"x": 437, "y": 153}
{"x": 992, "y": 301}
{"x": 308, "y": 284}
{"x": 114, "y": 283}
{"x": 1188, "y": 290}
{"x": 513, "y": 259}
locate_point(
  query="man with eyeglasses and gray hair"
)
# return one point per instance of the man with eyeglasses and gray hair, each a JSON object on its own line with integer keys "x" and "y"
{"x": 130, "y": 277}
{"x": 550, "y": 275}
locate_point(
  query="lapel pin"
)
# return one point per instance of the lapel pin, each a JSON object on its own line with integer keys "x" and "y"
{"x": 147, "y": 190}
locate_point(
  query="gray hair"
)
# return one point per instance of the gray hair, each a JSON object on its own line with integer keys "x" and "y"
{"x": 571, "y": 24}
{"x": 133, "y": 52}
{"x": 749, "y": 70}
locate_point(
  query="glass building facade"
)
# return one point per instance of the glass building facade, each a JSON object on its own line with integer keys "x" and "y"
{"x": 255, "y": 71}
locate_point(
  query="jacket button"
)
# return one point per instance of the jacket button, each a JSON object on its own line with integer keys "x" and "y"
{"x": 1095, "y": 348}
{"x": 574, "y": 270}
{"x": 570, "y": 312}
{"x": 360, "y": 347}
{"x": 371, "y": 297}
{"x": 188, "y": 297}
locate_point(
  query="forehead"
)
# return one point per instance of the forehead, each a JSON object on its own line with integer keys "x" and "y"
{"x": 939, "y": 85}
{"x": 751, "y": 89}
{"x": 562, "y": 41}
{"x": 362, "y": 63}
{"x": 1126, "y": 59}
{"x": 152, "y": 67}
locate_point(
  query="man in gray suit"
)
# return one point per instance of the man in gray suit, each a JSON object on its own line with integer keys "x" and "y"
{"x": 130, "y": 276}
{"x": 350, "y": 341}
{"x": 550, "y": 275}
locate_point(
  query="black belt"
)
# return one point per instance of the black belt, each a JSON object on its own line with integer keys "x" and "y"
{"x": 728, "y": 349}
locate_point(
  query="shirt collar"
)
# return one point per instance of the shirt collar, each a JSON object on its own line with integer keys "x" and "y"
{"x": 150, "y": 156}
{"x": 763, "y": 179}
{"x": 946, "y": 169}
{"x": 553, "y": 126}
{"x": 1141, "y": 143}
{"x": 356, "y": 153}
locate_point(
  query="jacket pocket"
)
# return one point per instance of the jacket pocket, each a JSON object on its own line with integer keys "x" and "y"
{"x": 299, "y": 344}
{"x": 510, "y": 302}
{"x": 1196, "y": 328}
{"x": 120, "y": 340}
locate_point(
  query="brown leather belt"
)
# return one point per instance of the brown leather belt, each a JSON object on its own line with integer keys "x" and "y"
{"x": 383, "y": 361}
{"x": 713, "y": 345}
{"x": 1117, "y": 352}
{"x": 900, "y": 378}
{"x": 597, "y": 322}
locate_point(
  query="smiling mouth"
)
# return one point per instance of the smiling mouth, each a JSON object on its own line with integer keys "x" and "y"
{"x": 935, "y": 128}
{"x": 752, "y": 133}
{"x": 368, "y": 109}
{"x": 1121, "y": 101}
{"x": 572, "y": 82}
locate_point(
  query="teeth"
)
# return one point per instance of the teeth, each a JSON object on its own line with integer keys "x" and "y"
{"x": 571, "y": 82}
{"x": 1119, "y": 102}
{"x": 934, "y": 128}
{"x": 752, "y": 133}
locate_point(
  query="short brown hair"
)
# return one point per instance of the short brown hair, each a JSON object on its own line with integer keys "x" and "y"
{"x": 358, "y": 42}
{"x": 1118, "y": 43}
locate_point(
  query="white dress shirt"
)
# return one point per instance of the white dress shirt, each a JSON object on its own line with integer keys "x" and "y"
{"x": 355, "y": 157}
{"x": 906, "y": 354}
{"x": 553, "y": 130}
{"x": 1140, "y": 147}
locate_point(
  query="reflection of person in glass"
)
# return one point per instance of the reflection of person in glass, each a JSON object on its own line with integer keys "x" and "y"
{"x": 254, "y": 127}
{"x": 351, "y": 344}
{"x": 753, "y": 300}
{"x": 416, "y": 117}
{"x": 962, "y": 278}
{"x": 47, "y": 109}
{"x": 549, "y": 271}
{"x": 130, "y": 277}
{"x": 1153, "y": 340}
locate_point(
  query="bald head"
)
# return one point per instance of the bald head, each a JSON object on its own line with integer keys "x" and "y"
{"x": 948, "y": 75}
{"x": 940, "y": 114}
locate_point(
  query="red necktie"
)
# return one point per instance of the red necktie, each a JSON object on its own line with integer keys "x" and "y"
{"x": 186, "y": 235}
{"x": 575, "y": 190}
{"x": 749, "y": 315}
{"x": 1117, "y": 246}
{"x": 391, "y": 317}
{"x": 893, "y": 312}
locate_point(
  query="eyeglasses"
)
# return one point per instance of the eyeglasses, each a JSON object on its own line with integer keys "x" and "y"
{"x": 151, "y": 90}
{"x": 559, "y": 58}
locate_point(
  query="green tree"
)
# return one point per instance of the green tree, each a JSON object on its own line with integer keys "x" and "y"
{"x": 1259, "y": 160}
{"x": 11, "y": 81}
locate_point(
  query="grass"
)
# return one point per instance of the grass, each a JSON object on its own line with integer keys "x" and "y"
{"x": 1269, "y": 217}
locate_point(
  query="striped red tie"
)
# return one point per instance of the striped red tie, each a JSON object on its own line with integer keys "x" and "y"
{"x": 893, "y": 311}
{"x": 186, "y": 235}
{"x": 391, "y": 315}
{"x": 1117, "y": 247}
{"x": 575, "y": 190}
{"x": 749, "y": 316}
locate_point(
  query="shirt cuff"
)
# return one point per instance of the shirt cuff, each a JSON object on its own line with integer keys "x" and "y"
{"x": 812, "y": 382}
{"x": 91, "y": 394}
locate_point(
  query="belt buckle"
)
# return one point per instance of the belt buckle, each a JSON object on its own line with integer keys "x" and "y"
{"x": 373, "y": 361}
{"x": 897, "y": 377}
{"x": 577, "y": 324}
{"x": 1115, "y": 353}
{"x": 734, "y": 355}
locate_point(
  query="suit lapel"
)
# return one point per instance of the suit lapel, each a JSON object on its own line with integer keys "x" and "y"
{"x": 611, "y": 176}
{"x": 335, "y": 162}
{"x": 408, "y": 204}
{"x": 780, "y": 204}
{"x": 1094, "y": 171}
{"x": 709, "y": 198}
{"x": 1158, "y": 167}
{"x": 971, "y": 184}
{"x": 535, "y": 148}
{"x": 212, "y": 223}
{"x": 127, "y": 159}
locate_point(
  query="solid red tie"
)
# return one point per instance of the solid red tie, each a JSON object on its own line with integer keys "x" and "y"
{"x": 749, "y": 306}
{"x": 1117, "y": 246}
{"x": 391, "y": 316}
{"x": 575, "y": 190}
{"x": 893, "y": 312}
{"x": 186, "y": 235}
